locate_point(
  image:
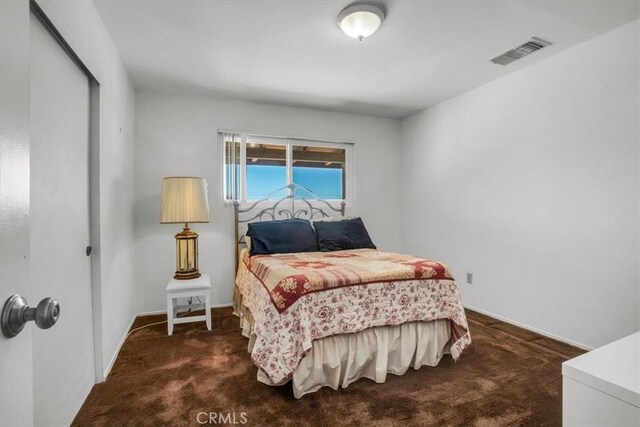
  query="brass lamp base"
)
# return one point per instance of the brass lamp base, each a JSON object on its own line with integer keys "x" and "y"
{"x": 186, "y": 254}
{"x": 186, "y": 276}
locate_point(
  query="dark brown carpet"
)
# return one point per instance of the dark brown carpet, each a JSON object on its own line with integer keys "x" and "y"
{"x": 509, "y": 376}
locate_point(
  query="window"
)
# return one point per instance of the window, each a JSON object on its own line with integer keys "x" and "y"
{"x": 321, "y": 170}
{"x": 256, "y": 167}
{"x": 266, "y": 170}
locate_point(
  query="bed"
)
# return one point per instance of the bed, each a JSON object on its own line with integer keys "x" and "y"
{"x": 319, "y": 318}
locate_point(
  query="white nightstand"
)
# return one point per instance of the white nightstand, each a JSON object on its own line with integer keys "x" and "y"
{"x": 200, "y": 287}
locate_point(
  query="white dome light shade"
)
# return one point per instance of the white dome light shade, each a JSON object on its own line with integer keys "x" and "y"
{"x": 360, "y": 20}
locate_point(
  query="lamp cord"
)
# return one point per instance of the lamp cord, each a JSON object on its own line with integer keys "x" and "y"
{"x": 158, "y": 323}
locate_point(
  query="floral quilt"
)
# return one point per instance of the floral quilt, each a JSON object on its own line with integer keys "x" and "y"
{"x": 295, "y": 299}
{"x": 288, "y": 277}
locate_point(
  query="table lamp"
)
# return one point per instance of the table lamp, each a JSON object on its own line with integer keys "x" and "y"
{"x": 184, "y": 200}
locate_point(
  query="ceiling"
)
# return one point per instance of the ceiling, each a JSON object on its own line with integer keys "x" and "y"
{"x": 292, "y": 52}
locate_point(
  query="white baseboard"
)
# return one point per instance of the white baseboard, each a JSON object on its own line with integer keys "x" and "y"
{"x": 531, "y": 328}
{"x": 151, "y": 313}
{"x": 126, "y": 334}
{"x": 487, "y": 313}
{"x": 75, "y": 404}
{"x": 117, "y": 352}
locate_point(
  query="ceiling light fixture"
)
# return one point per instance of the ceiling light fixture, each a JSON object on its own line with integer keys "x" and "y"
{"x": 360, "y": 20}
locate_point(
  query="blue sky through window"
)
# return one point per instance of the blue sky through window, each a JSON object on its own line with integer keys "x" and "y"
{"x": 326, "y": 183}
{"x": 263, "y": 179}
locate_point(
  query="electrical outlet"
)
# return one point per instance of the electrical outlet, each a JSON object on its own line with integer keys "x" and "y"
{"x": 469, "y": 278}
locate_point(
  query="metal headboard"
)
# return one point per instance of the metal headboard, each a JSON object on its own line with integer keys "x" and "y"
{"x": 299, "y": 202}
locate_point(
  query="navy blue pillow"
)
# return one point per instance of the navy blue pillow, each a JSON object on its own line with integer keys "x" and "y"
{"x": 339, "y": 235}
{"x": 282, "y": 237}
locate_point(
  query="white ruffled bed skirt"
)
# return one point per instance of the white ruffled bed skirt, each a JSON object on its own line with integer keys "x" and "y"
{"x": 339, "y": 360}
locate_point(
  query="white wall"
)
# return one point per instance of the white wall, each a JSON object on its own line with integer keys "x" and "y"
{"x": 178, "y": 136}
{"x": 531, "y": 182}
{"x": 82, "y": 27}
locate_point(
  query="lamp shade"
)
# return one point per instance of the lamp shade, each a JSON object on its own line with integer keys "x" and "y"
{"x": 184, "y": 200}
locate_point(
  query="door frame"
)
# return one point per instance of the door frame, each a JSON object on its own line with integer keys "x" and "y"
{"x": 72, "y": 45}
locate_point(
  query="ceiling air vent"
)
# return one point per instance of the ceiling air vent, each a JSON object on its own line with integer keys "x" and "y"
{"x": 520, "y": 51}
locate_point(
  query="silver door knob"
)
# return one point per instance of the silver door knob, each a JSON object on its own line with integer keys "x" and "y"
{"x": 16, "y": 313}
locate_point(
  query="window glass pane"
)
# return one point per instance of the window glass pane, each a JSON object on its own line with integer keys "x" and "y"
{"x": 320, "y": 170}
{"x": 266, "y": 170}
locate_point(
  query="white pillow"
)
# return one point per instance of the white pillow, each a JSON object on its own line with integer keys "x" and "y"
{"x": 247, "y": 241}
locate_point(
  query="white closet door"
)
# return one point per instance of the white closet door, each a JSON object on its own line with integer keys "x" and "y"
{"x": 63, "y": 364}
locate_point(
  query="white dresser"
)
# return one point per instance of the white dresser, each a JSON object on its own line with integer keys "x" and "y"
{"x": 602, "y": 387}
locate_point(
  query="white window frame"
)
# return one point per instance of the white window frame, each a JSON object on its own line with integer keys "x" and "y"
{"x": 289, "y": 142}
